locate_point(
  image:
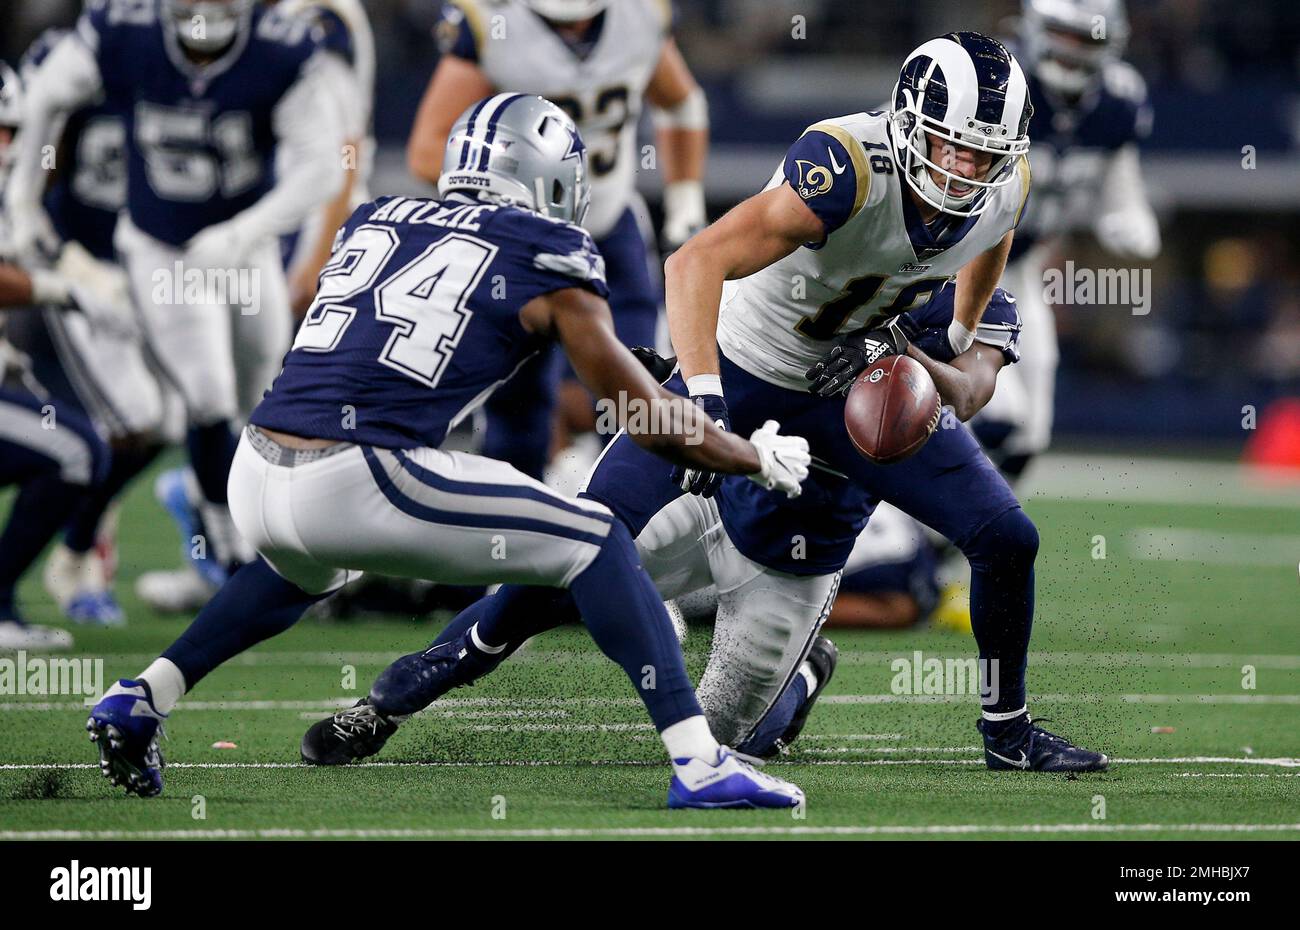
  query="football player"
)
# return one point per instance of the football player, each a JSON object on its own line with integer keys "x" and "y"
{"x": 340, "y": 469}
{"x": 1090, "y": 115}
{"x": 47, "y": 448}
{"x": 782, "y": 303}
{"x": 93, "y": 359}
{"x": 601, "y": 62}
{"x": 209, "y": 91}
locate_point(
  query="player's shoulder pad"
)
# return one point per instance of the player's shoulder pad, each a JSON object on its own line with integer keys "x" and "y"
{"x": 331, "y": 33}
{"x": 827, "y": 167}
{"x": 462, "y": 29}
{"x": 40, "y": 49}
{"x": 102, "y": 21}
{"x": 1026, "y": 184}
{"x": 658, "y": 14}
{"x": 552, "y": 249}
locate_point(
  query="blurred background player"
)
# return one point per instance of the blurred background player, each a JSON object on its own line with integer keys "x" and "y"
{"x": 48, "y": 450}
{"x": 93, "y": 359}
{"x": 209, "y": 92}
{"x": 1090, "y": 115}
{"x": 598, "y": 60}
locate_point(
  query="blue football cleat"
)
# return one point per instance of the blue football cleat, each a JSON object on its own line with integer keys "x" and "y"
{"x": 728, "y": 783}
{"x": 125, "y": 726}
{"x": 97, "y": 608}
{"x": 171, "y": 491}
{"x": 1022, "y": 745}
{"x": 415, "y": 681}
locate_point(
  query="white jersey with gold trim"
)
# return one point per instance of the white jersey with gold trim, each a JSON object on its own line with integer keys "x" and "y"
{"x": 878, "y": 259}
{"x": 601, "y": 85}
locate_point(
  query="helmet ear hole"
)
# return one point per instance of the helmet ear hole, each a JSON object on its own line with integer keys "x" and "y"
{"x": 557, "y": 191}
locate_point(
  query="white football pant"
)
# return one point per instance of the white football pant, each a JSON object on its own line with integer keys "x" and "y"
{"x": 220, "y": 343}
{"x": 321, "y": 517}
{"x": 766, "y": 623}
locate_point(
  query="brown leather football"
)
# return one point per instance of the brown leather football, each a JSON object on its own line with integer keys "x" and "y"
{"x": 892, "y": 409}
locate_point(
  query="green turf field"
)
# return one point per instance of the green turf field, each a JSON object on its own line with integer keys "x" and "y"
{"x": 1199, "y": 580}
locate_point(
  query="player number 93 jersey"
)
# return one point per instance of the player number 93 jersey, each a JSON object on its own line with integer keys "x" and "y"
{"x": 601, "y": 87}
{"x": 878, "y": 258}
{"x": 416, "y": 319}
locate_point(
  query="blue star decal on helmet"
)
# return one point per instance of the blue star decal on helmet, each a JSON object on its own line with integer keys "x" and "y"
{"x": 576, "y": 146}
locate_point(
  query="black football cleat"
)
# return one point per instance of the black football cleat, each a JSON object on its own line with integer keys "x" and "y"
{"x": 355, "y": 733}
{"x": 823, "y": 657}
{"x": 1022, "y": 745}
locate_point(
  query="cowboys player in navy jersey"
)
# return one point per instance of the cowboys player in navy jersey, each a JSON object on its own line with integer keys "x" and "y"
{"x": 209, "y": 92}
{"x": 871, "y": 216}
{"x": 92, "y": 359}
{"x": 1091, "y": 114}
{"x": 603, "y": 63}
{"x": 48, "y": 448}
{"x": 426, "y": 307}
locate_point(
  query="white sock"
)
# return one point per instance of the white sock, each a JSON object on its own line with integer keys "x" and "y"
{"x": 809, "y": 676}
{"x": 166, "y": 683}
{"x": 1010, "y": 715}
{"x": 482, "y": 646}
{"x": 691, "y": 739}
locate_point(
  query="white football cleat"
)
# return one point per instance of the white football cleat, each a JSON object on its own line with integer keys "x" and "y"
{"x": 174, "y": 591}
{"x": 15, "y": 635}
{"x": 729, "y": 782}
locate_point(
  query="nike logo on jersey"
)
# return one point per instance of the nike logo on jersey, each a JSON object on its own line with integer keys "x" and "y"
{"x": 835, "y": 165}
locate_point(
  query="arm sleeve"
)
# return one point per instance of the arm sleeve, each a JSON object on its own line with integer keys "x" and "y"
{"x": 828, "y": 170}
{"x": 1124, "y": 207}
{"x": 309, "y": 129}
{"x": 67, "y": 78}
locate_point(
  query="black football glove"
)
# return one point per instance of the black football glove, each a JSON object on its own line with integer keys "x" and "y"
{"x": 660, "y": 368}
{"x": 694, "y": 480}
{"x": 853, "y": 354}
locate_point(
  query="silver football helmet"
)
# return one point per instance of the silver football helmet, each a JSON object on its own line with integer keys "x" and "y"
{"x": 207, "y": 26}
{"x": 567, "y": 11}
{"x": 521, "y": 149}
{"x": 1068, "y": 42}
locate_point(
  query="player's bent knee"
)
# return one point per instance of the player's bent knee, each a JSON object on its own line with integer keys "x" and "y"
{"x": 1009, "y": 539}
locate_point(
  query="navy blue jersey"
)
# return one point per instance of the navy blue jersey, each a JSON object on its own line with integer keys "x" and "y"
{"x": 416, "y": 320}
{"x": 1072, "y": 144}
{"x": 89, "y": 188}
{"x": 200, "y": 139}
{"x": 927, "y": 326}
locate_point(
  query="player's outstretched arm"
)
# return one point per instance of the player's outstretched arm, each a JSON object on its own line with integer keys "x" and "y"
{"x": 975, "y": 283}
{"x": 456, "y": 83}
{"x": 673, "y": 427}
{"x": 752, "y": 235}
{"x": 967, "y": 384}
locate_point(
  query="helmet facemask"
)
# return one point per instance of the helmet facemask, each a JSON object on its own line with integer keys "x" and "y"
{"x": 910, "y": 130}
{"x": 207, "y": 26}
{"x": 1070, "y": 43}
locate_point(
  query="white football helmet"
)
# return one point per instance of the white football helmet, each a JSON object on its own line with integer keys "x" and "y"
{"x": 567, "y": 11}
{"x": 1069, "y": 42}
{"x": 207, "y": 26}
{"x": 965, "y": 88}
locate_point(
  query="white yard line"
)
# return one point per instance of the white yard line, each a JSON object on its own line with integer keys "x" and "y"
{"x": 1213, "y": 547}
{"x": 1149, "y": 480}
{"x": 651, "y": 832}
{"x": 1281, "y": 762}
{"x": 526, "y": 706}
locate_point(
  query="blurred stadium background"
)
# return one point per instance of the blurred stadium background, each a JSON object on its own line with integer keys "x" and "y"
{"x": 1221, "y": 165}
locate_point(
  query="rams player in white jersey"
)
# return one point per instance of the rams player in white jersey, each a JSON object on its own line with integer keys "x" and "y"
{"x": 805, "y": 284}
{"x": 598, "y": 60}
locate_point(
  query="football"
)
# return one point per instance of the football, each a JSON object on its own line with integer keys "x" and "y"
{"x": 892, "y": 409}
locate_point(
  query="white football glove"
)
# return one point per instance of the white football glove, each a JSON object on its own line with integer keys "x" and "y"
{"x": 1128, "y": 235}
{"x": 223, "y": 245}
{"x": 784, "y": 460}
{"x": 684, "y": 213}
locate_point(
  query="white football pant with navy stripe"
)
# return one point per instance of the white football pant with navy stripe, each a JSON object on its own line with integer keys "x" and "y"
{"x": 767, "y": 620}
{"x": 321, "y": 517}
